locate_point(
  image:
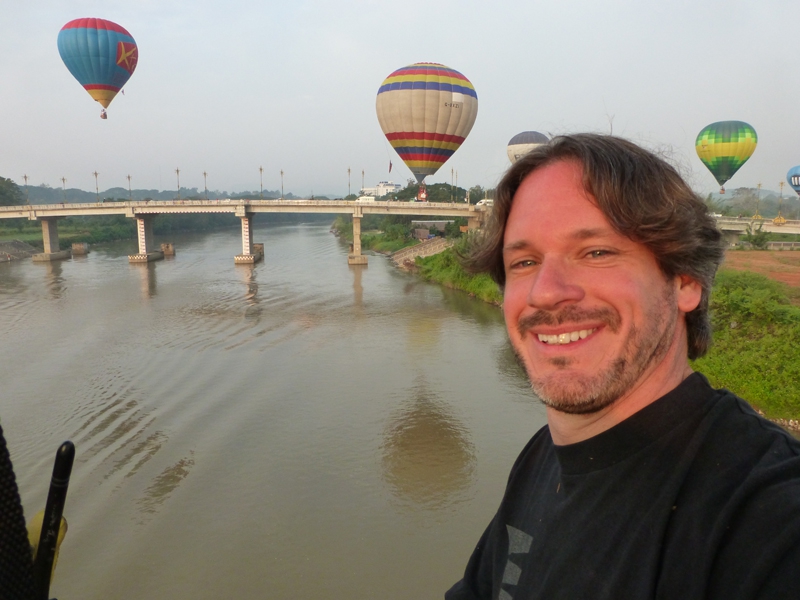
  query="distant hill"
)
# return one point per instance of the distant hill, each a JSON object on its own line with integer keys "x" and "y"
{"x": 746, "y": 201}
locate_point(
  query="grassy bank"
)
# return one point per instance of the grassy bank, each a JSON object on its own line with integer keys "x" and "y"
{"x": 756, "y": 350}
{"x": 444, "y": 268}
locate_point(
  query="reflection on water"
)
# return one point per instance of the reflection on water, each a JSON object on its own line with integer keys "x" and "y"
{"x": 428, "y": 459}
{"x": 147, "y": 278}
{"x": 358, "y": 288}
{"x": 164, "y": 484}
{"x": 424, "y": 333}
{"x": 56, "y": 284}
{"x": 509, "y": 364}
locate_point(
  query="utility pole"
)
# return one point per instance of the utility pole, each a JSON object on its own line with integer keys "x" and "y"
{"x": 178, "y": 175}
{"x": 780, "y": 203}
{"x": 261, "y": 182}
{"x": 27, "y": 201}
{"x": 130, "y": 193}
{"x": 758, "y": 202}
{"x": 362, "y": 179}
{"x": 64, "y": 187}
{"x": 348, "y": 181}
{"x": 96, "y": 187}
{"x": 451, "y": 185}
{"x": 281, "y": 184}
{"x": 205, "y": 183}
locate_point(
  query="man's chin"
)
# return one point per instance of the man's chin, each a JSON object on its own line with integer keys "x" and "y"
{"x": 573, "y": 397}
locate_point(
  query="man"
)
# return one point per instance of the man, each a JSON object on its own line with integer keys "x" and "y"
{"x": 646, "y": 482}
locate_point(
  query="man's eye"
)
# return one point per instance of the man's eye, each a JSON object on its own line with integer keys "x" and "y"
{"x": 599, "y": 253}
{"x": 524, "y": 263}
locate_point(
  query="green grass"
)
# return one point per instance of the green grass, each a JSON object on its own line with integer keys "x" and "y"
{"x": 444, "y": 268}
{"x": 756, "y": 350}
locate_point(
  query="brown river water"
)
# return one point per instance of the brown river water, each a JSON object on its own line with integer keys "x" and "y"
{"x": 297, "y": 429}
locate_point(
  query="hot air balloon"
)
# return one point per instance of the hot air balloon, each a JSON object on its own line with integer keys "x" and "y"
{"x": 100, "y": 54}
{"x": 724, "y": 147}
{"x": 522, "y": 143}
{"x": 426, "y": 111}
{"x": 793, "y": 177}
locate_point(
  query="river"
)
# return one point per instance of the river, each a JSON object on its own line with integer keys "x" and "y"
{"x": 296, "y": 429}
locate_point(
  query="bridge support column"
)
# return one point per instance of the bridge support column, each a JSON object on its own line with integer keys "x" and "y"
{"x": 52, "y": 250}
{"x": 731, "y": 237}
{"x": 473, "y": 223}
{"x": 144, "y": 230}
{"x": 251, "y": 253}
{"x": 355, "y": 257}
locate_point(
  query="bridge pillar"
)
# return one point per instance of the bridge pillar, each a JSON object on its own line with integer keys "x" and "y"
{"x": 731, "y": 237}
{"x": 144, "y": 230}
{"x": 52, "y": 250}
{"x": 355, "y": 257}
{"x": 251, "y": 253}
{"x": 473, "y": 223}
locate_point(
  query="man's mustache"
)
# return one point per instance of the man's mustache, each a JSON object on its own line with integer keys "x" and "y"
{"x": 569, "y": 314}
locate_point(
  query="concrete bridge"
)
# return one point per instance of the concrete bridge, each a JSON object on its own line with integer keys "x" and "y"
{"x": 145, "y": 212}
{"x": 733, "y": 227}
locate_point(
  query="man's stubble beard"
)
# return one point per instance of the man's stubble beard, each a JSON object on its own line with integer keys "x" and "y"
{"x": 587, "y": 394}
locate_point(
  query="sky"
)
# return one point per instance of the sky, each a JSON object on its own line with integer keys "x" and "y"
{"x": 228, "y": 87}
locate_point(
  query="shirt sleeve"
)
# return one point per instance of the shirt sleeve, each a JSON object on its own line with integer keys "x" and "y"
{"x": 477, "y": 581}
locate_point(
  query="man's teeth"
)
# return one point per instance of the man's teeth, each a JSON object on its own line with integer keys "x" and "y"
{"x": 565, "y": 338}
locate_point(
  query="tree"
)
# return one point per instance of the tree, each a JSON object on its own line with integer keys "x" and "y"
{"x": 758, "y": 238}
{"x": 745, "y": 201}
{"x": 10, "y": 194}
{"x": 476, "y": 193}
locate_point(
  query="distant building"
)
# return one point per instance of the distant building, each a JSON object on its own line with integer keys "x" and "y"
{"x": 383, "y": 188}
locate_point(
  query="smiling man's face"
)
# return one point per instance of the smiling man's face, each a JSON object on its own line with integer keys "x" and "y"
{"x": 588, "y": 311}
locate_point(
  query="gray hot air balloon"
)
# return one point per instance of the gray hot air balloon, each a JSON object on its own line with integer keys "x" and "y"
{"x": 524, "y": 142}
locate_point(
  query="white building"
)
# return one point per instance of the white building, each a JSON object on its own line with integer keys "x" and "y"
{"x": 383, "y": 188}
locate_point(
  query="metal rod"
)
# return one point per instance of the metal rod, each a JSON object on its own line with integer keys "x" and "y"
{"x": 51, "y": 523}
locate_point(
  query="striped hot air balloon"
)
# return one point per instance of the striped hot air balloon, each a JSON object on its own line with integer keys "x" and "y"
{"x": 100, "y": 54}
{"x": 426, "y": 111}
{"x": 724, "y": 147}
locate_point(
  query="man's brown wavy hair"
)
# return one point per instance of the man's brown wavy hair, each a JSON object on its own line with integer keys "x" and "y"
{"x": 642, "y": 196}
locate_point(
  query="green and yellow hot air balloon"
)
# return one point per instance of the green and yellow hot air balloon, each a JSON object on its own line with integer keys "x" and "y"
{"x": 724, "y": 147}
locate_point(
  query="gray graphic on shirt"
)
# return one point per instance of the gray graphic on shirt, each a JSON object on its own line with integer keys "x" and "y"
{"x": 519, "y": 542}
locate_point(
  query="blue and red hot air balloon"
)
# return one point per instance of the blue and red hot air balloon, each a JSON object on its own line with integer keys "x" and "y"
{"x": 100, "y": 54}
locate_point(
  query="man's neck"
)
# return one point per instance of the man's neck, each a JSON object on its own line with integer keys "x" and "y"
{"x": 569, "y": 428}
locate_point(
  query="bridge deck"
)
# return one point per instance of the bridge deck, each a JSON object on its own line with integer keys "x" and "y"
{"x": 239, "y": 208}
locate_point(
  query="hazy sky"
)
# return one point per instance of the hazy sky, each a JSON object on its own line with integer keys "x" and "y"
{"x": 226, "y": 87}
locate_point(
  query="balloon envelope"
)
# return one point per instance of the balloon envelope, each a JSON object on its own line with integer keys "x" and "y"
{"x": 426, "y": 111}
{"x": 793, "y": 177}
{"x": 522, "y": 143}
{"x": 725, "y": 146}
{"x": 100, "y": 54}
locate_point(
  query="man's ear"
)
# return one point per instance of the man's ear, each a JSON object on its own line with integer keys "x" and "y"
{"x": 689, "y": 293}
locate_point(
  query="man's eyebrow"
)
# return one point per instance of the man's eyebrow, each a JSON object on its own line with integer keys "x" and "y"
{"x": 580, "y": 235}
{"x": 585, "y": 234}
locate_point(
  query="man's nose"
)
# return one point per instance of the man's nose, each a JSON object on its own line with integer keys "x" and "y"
{"x": 554, "y": 284}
